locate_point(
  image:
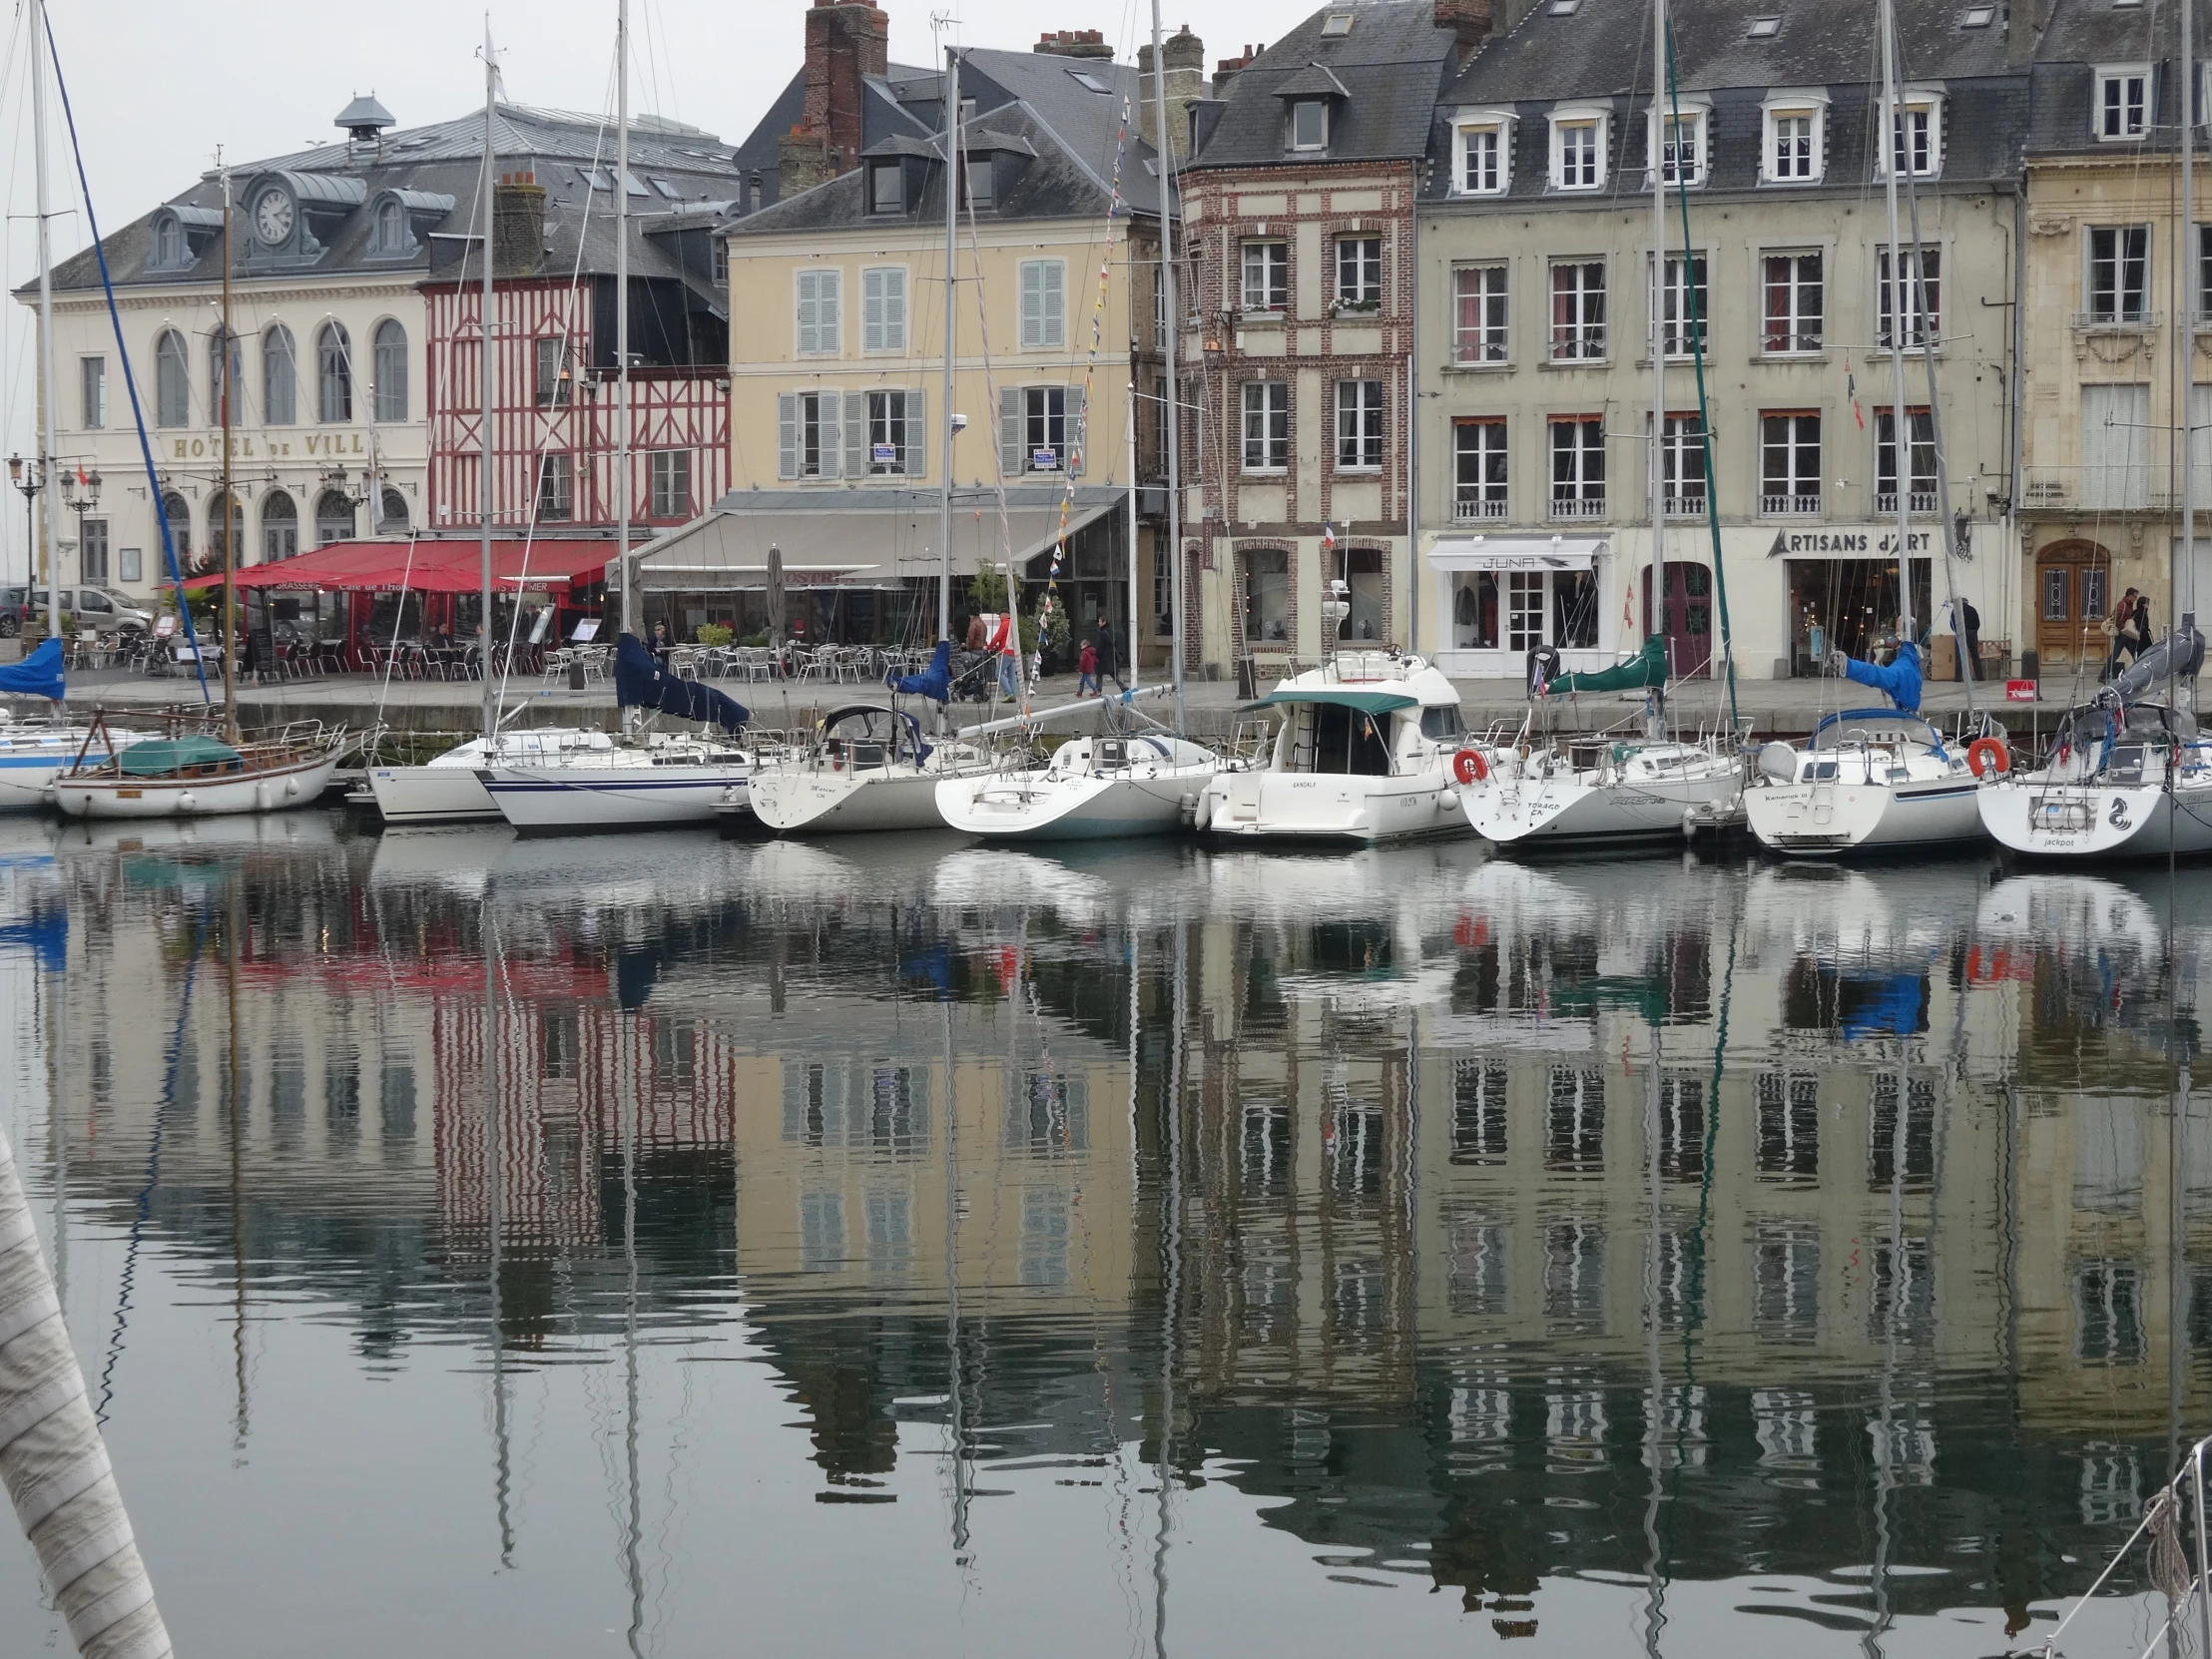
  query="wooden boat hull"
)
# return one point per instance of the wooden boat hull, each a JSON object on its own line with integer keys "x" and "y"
{"x": 262, "y": 790}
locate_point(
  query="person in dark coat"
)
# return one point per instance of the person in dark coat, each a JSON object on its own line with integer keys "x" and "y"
{"x": 1969, "y": 624}
{"x": 1109, "y": 658}
{"x": 659, "y": 643}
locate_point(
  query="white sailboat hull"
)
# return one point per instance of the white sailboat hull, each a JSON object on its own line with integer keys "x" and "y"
{"x": 1823, "y": 820}
{"x": 30, "y": 762}
{"x": 555, "y": 797}
{"x": 1321, "y": 807}
{"x": 447, "y": 790}
{"x": 805, "y": 799}
{"x": 1574, "y": 808}
{"x": 2043, "y": 819}
{"x": 1068, "y": 808}
{"x": 275, "y": 790}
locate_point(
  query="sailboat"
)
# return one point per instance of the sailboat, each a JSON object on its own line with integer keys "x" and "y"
{"x": 1607, "y": 787}
{"x": 1880, "y": 779}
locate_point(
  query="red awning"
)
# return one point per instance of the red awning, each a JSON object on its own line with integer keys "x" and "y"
{"x": 427, "y": 567}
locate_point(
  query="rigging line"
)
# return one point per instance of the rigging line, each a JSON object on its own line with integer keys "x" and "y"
{"x": 130, "y": 380}
{"x": 142, "y": 1205}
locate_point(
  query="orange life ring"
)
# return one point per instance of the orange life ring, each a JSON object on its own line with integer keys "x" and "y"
{"x": 1469, "y": 766}
{"x": 1987, "y": 757}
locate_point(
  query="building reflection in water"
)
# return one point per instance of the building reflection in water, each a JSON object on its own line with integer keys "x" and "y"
{"x": 1493, "y": 1224}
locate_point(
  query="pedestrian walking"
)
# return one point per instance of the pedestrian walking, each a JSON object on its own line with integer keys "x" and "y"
{"x": 1109, "y": 658}
{"x": 1086, "y": 670}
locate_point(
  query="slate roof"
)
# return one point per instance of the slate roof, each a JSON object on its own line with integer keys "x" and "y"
{"x": 2082, "y": 34}
{"x": 1601, "y": 53}
{"x": 443, "y": 160}
{"x": 1390, "y": 67}
{"x": 1059, "y": 134}
{"x": 890, "y": 109}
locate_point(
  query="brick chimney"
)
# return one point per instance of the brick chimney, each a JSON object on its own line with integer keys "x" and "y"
{"x": 848, "y": 41}
{"x": 1073, "y": 43}
{"x": 1469, "y": 22}
{"x": 517, "y": 224}
{"x": 1185, "y": 56}
{"x": 1226, "y": 70}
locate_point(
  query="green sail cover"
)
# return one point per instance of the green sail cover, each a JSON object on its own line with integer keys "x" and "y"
{"x": 158, "y": 756}
{"x": 1647, "y": 668}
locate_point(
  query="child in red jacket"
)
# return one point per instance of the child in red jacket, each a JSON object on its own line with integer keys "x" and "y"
{"x": 1086, "y": 670}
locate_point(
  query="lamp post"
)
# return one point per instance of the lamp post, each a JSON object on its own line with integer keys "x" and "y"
{"x": 28, "y": 476}
{"x": 81, "y": 495}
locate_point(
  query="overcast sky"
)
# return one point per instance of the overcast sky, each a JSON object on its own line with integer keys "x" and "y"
{"x": 158, "y": 87}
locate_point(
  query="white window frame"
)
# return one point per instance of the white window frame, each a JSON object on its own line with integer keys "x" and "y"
{"x": 1801, "y": 464}
{"x": 1808, "y": 105}
{"x": 1044, "y": 325}
{"x": 1904, "y": 304}
{"x": 1281, "y": 263}
{"x": 1919, "y": 444}
{"x": 2119, "y": 315}
{"x": 1697, "y": 115}
{"x": 92, "y": 391}
{"x": 1362, "y": 425}
{"x": 1360, "y": 294}
{"x": 1582, "y": 494}
{"x": 1488, "y": 494}
{"x": 1682, "y": 446}
{"x": 663, "y": 467}
{"x": 1268, "y": 402}
{"x": 1490, "y": 342}
{"x": 1797, "y": 331}
{"x": 817, "y": 305}
{"x": 1913, "y": 102}
{"x": 1498, "y": 127}
{"x": 892, "y": 423}
{"x": 1582, "y": 341}
{"x": 2124, "y": 95}
{"x": 1597, "y": 120}
{"x": 1298, "y": 104}
{"x": 883, "y": 310}
{"x": 1671, "y": 315}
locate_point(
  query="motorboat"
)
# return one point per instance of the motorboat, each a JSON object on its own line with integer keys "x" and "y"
{"x": 446, "y": 790}
{"x": 869, "y": 768}
{"x": 1616, "y": 787}
{"x": 1364, "y": 753}
{"x": 664, "y": 779}
{"x": 1138, "y": 785}
{"x": 2125, "y": 778}
{"x": 194, "y": 775}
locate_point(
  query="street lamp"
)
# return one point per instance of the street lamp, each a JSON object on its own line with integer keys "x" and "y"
{"x": 29, "y": 478}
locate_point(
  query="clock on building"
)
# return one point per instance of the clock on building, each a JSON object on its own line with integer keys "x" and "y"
{"x": 272, "y": 213}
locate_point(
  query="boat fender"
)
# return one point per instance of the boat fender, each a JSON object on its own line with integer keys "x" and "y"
{"x": 1469, "y": 765}
{"x": 291, "y": 787}
{"x": 185, "y": 802}
{"x": 1988, "y": 758}
{"x": 1187, "y": 808}
{"x": 260, "y": 797}
{"x": 1779, "y": 762}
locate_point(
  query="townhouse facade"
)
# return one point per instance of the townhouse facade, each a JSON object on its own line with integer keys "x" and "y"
{"x": 2118, "y": 304}
{"x": 1543, "y": 300}
{"x": 1299, "y": 328}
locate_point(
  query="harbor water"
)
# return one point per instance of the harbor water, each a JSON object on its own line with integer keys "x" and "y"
{"x": 684, "y": 1246}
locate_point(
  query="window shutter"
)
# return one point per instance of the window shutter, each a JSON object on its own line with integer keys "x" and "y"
{"x": 1032, "y": 302}
{"x": 855, "y": 434}
{"x": 871, "y": 311}
{"x": 1053, "y": 284}
{"x": 787, "y": 434}
{"x": 895, "y": 310}
{"x": 829, "y": 326}
{"x": 915, "y": 457}
{"x": 1009, "y": 433}
{"x": 806, "y": 311}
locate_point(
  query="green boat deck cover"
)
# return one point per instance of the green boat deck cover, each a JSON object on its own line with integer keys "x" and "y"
{"x": 158, "y": 756}
{"x": 1647, "y": 668}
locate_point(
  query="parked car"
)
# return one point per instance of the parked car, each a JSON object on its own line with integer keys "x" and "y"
{"x": 101, "y": 608}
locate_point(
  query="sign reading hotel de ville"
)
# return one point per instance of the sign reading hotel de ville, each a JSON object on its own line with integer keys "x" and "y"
{"x": 1854, "y": 541}
{"x": 318, "y": 446}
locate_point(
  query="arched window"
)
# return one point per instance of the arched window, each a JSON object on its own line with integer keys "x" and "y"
{"x": 215, "y": 529}
{"x": 172, "y": 380}
{"x": 179, "y": 513}
{"x": 279, "y": 527}
{"x": 391, "y": 229}
{"x": 217, "y": 391}
{"x": 333, "y": 354}
{"x": 391, "y": 370}
{"x": 391, "y": 518}
{"x": 279, "y": 377}
{"x": 169, "y": 242}
{"x": 334, "y": 517}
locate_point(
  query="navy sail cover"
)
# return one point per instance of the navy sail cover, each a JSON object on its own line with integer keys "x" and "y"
{"x": 38, "y": 675}
{"x": 641, "y": 683}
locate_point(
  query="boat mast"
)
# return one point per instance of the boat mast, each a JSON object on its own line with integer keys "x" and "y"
{"x": 953, "y": 164}
{"x": 2181, "y": 556}
{"x": 484, "y": 332}
{"x": 48, "y": 446}
{"x": 230, "y": 516}
{"x": 1893, "y": 120}
{"x": 622, "y": 323}
{"x": 1129, "y": 440}
{"x": 1660, "y": 135}
{"x": 1164, "y": 162}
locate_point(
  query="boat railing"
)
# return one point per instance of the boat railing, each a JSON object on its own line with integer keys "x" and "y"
{"x": 1251, "y": 740}
{"x": 2167, "y": 1564}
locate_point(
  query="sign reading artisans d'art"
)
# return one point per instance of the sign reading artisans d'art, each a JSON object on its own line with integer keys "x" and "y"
{"x": 1853, "y": 541}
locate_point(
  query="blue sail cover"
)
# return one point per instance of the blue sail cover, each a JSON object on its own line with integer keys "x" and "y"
{"x": 641, "y": 683}
{"x": 933, "y": 681}
{"x": 38, "y": 675}
{"x": 1900, "y": 679}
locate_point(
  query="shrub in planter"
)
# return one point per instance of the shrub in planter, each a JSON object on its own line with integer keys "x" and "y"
{"x": 713, "y": 634}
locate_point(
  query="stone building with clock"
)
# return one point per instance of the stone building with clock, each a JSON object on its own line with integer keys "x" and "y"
{"x": 330, "y": 383}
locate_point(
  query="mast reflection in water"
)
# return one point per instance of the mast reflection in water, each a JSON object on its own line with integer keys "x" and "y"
{"x": 590, "y": 1247}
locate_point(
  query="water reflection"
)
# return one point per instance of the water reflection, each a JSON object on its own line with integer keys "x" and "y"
{"x": 1082, "y": 1249}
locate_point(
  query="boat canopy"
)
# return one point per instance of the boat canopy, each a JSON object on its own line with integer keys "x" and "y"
{"x": 1647, "y": 668}
{"x": 38, "y": 675}
{"x": 1831, "y": 728}
{"x": 1367, "y": 702}
{"x": 158, "y": 756}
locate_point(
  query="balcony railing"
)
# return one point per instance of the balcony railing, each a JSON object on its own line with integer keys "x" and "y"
{"x": 1478, "y": 507}
{"x": 1578, "y": 345}
{"x": 1578, "y": 506}
{"x": 2117, "y": 320}
{"x": 1920, "y": 503}
{"x": 1790, "y": 506}
{"x": 1685, "y": 506}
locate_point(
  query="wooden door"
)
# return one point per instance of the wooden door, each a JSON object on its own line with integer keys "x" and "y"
{"x": 2073, "y": 596}
{"x": 1689, "y": 618}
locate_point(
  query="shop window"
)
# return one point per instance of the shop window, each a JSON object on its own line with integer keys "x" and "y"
{"x": 1474, "y": 611}
{"x": 1266, "y": 609}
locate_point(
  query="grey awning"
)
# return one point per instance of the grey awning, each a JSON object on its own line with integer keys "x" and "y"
{"x": 859, "y": 538}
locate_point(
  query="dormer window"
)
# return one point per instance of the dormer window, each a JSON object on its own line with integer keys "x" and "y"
{"x": 1310, "y": 124}
{"x": 1483, "y": 153}
{"x": 982, "y": 180}
{"x": 1578, "y": 147}
{"x": 169, "y": 244}
{"x": 1677, "y": 137}
{"x": 1795, "y": 140}
{"x": 886, "y": 188}
{"x": 1915, "y": 136}
{"x": 2123, "y": 103}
